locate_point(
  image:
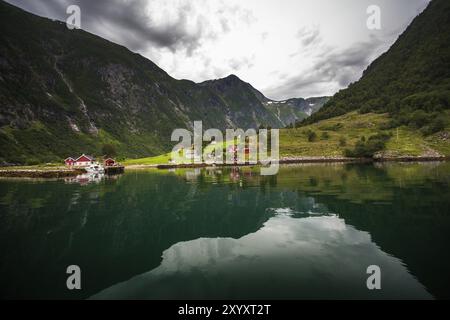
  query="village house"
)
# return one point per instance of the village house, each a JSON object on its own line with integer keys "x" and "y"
{"x": 69, "y": 162}
{"x": 109, "y": 162}
{"x": 84, "y": 161}
{"x": 81, "y": 161}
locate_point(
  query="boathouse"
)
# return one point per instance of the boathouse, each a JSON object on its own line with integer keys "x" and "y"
{"x": 69, "y": 162}
{"x": 109, "y": 162}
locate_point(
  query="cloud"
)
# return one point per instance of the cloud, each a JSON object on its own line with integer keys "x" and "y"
{"x": 174, "y": 25}
{"x": 308, "y": 35}
{"x": 264, "y": 35}
{"x": 303, "y": 48}
{"x": 333, "y": 69}
{"x": 240, "y": 63}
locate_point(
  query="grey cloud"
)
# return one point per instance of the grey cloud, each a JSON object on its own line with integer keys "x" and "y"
{"x": 127, "y": 23}
{"x": 264, "y": 35}
{"x": 225, "y": 25}
{"x": 339, "y": 67}
{"x": 187, "y": 30}
{"x": 308, "y": 36}
{"x": 238, "y": 63}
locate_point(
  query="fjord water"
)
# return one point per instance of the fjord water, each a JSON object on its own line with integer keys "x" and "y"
{"x": 309, "y": 232}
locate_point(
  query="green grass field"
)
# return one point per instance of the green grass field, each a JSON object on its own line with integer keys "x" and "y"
{"x": 161, "y": 159}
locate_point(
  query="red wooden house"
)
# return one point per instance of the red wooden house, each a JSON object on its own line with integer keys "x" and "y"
{"x": 84, "y": 161}
{"x": 70, "y": 162}
{"x": 109, "y": 162}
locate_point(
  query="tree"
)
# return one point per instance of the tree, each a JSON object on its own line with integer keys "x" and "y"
{"x": 109, "y": 150}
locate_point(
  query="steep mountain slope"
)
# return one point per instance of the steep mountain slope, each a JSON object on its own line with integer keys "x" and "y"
{"x": 292, "y": 110}
{"x": 244, "y": 101}
{"x": 67, "y": 91}
{"x": 411, "y": 80}
{"x": 239, "y": 94}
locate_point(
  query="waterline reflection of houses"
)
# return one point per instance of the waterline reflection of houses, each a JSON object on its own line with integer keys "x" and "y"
{"x": 85, "y": 179}
{"x": 213, "y": 174}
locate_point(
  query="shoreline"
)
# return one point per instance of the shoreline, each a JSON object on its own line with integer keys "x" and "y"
{"x": 40, "y": 173}
{"x": 297, "y": 160}
{"x": 51, "y": 173}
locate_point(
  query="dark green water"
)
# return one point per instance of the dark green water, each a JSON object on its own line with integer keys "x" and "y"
{"x": 309, "y": 232}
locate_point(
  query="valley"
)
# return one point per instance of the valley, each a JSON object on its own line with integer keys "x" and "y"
{"x": 69, "y": 92}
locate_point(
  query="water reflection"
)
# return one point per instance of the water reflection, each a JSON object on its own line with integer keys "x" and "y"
{"x": 85, "y": 179}
{"x": 90, "y": 178}
{"x": 224, "y": 232}
{"x": 313, "y": 257}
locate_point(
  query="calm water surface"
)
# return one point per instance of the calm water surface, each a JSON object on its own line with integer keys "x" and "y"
{"x": 309, "y": 232}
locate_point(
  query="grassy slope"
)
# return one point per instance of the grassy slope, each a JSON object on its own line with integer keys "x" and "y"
{"x": 351, "y": 127}
{"x": 163, "y": 158}
{"x": 404, "y": 142}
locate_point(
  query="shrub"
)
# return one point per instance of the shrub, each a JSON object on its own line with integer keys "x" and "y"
{"x": 332, "y": 127}
{"x": 418, "y": 119}
{"x": 325, "y": 136}
{"x": 366, "y": 149}
{"x": 389, "y": 125}
{"x": 32, "y": 162}
{"x": 311, "y": 135}
{"x": 365, "y": 109}
{"x": 342, "y": 142}
{"x": 436, "y": 125}
{"x": 109, "y": 150}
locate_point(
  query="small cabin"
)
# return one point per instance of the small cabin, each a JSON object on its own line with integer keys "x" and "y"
{"x": 70, "y": 162}
{"x": 109, "y": 162}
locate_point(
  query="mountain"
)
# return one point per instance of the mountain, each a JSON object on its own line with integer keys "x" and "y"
{"x": 67, "y": 92}
{"x": 244, "y": 103}
{"x": 239, "y": 94}
{"x": 296, "y": 109}
{"x": 411, "y": 81}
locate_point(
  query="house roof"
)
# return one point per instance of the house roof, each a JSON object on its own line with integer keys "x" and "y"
{"x": 69, "y": 158}
{"x": 85, "y": 155}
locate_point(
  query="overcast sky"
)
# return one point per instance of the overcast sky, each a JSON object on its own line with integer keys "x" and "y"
{"x": 284, "y": 48}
